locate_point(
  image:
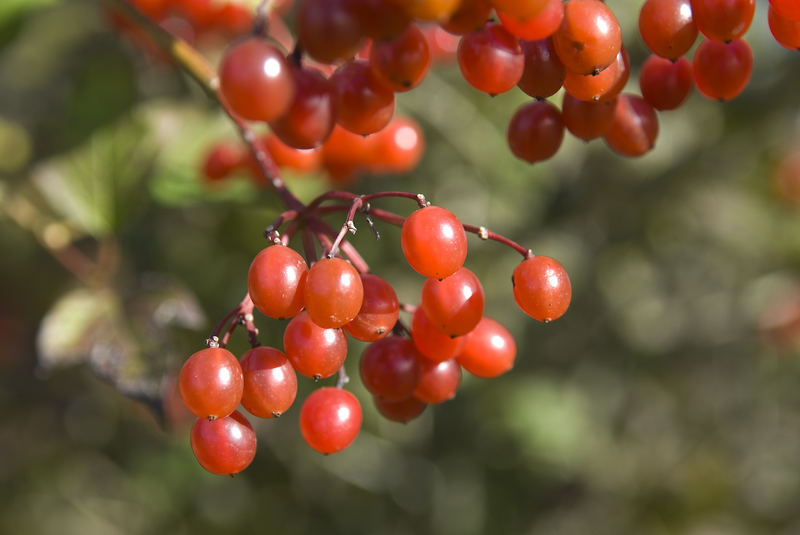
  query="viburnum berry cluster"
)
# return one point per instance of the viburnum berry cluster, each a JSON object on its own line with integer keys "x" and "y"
{"x": 328, "y": 299}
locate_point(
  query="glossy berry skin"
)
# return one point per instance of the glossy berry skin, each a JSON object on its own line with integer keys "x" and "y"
{"x": 540, "y": 26}
{"x": 329, "y": 30}
{"x": 333, "y": 292}
{"x": 379, "y": 310}
{"x": 434, "y": 242}
{"x": 438, "y": 381}
{"x": 788, "y": 9}
{"x": 402, "y": 63}
{"x": 785, "y": 31}
{"x": 429, "y": 9}
{"x": 270, "y": 382}
{"x": 470, "y": 16}
{"x": 522, "y": 9}
{"x": 365, "y": 105}
{"x": 723, "y": 20}
{"x": 402, "y": 411}
{"x": 667, "y": 27}
{"x": 489, "y": 351}
{"x": 314, "y": 351}
{"x": 454, "y": 304}
{"x": 399, "y": 146}
{"x": 587, "y": 119}
{"x": 722, "y": 71}
{"x": 542, "y": 288}
{"x": 382, "y": 20}
{"x": 634, "y": 129}
{"x": 287, "y": 157}
{"x": 432, "y": 343}
{"x": 603, "y": 86}
{"x": 225, "y": 446}
{"x": 276, "y": 281}
{"x": 589, "y": 37}
{"x": 665, "y": 85}
{"x": 211, "y": 383}
{"x": 255, "y": 80}
{"x": 544, "y": 73}
{"x": 491, "y": 59}
{"x": 536, "y": 131}
{"x": 309, "y": 120}
{"x": 330, "y": 419}
{"x": 390, "y": 368}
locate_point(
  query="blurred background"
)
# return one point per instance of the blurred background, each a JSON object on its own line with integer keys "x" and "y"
{"x": 665, "y": 401}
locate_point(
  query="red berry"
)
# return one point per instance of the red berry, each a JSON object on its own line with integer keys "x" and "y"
{"x": 434, "y": 242}
{"x": 540, "y": 26}
{"x": 438, "y": 381}
{"x": 667, "y": 27}
{"x": 605, "y": 85}
{"x": 276, "y": 280}
{"x": 314, "y": 351}
{"x": 399, "y": 146}
{"x": 430, "y": 9}
{"x": 722, "y": 71}
{"x": 310, "y": 118}
{"x": 431, "y": 342}
{"x": 536, "y": 131}
{"x": 402, "y": 411}
{"x": 785, "y": 30}
{"x": 589, "y": 37}
{"x": 541, "y": 288}
{"x": 270, "y": 382}
{"x": 211, "y": 383}
{"x": 665, "y": 84}
{"x": 544, "y": 73}
{"x": 222, "y": 160}
{"x": 379, "y": 310}
{"x": 470, "y": 16}
{"x": 333, "y": 292}
{"x": 788, "y": 9}
{"x": 522, "y": 9}
{"x": 365, "y": 105}
{"x": 491, "y": 59}
{"x": 587, "y": 119}
{"x": 489, "y": 350}
{"x": 402, "y": 63}
{"x": 723, "y": 20}
{"x": 634, "y": 129}
{"x": 330, "y": 419}
{"x": 255, "y": 80}
{"x": 329, "y": 30}
{"x": 454, "y": 305}
{"x": 390, "y": 368}
{"x": 225, "y": 446}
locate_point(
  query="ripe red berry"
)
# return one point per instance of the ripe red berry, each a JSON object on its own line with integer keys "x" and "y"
{"x": 270, "y": 382}
{"x": 542, "y": 288}
{"x": 431, "y": 342}
{"x": 382, "y": 20}
{"x": 314, "y": 351}
{"x": 225, "y": 446}
{"x": 430, "y": 9}
{"x": 402, "y": 411}
{"x": 255, "y": 80}
{"x": 365, "y": 105}
{"x": 667, "y": 27}
{"x": 785, "y": 31}
{"x": 276, "y": 280}
{"x": 390, "y": 368}
{"x": 333, "y": 292}
{"x": 540, "y": 26}
{"x": 489, "y": 350}
{"x": 634, "y": 129}
{"x": 665, "y": 84}
{"x": 330, "y": 419}
{"x": 587, "y": 119}
{"x": 491, "y": 59}
{"x": 723, "y": 20}
{"x": 379, "y": 310}
{"x": 286, "y": 157}
{"x": 605, "y": 85}
{"x": 454, "y": 305}
{"x": 434, "y": 242}
{"x": 589, "y": 37}
{"x": 536, "y": 131}
{"x": 722, "y": 71}
{"x": 402, "y": 63}
{"x": 222, "y": 160}
{"x": 544, "y": 73}
{"x": 788, "y": 9}
{"x": 329, "y": 30}
{"x": 522, "y": 9}
{"x": 309, "y": 120}
{"x": 399, "y": 146}
{"x": 211, "y": 383}
{"x": 438, "y": 381}
{"x": 470, "y": 16}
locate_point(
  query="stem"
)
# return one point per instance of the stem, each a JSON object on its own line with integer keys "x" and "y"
{"x": 347, "y": 226}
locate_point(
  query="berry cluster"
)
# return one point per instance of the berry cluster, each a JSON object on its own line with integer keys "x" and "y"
{"x": 404, "y": 368}
{"x": 397, "y": 148}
